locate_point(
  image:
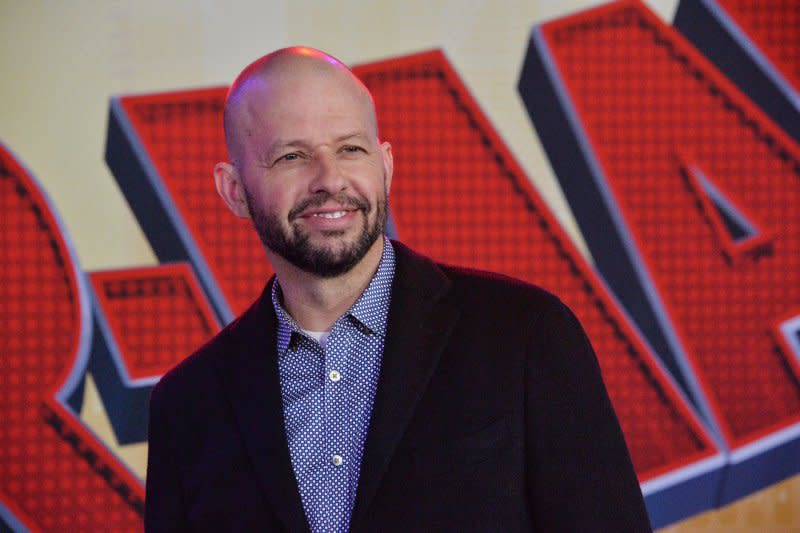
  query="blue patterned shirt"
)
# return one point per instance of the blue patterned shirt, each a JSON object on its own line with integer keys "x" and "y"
{"x": 328, "y": 395}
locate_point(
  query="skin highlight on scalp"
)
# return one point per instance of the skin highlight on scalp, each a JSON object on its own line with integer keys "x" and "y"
{"x": 276, "y": 68}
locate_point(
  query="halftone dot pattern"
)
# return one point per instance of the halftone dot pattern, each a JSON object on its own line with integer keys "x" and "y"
{"x": 458, "y": 196}
{"x": 52, "y": 475}
{"x": 157, "y": 315}
{"x": 184, "y": 138}
{"x": 774, "y": 26}
{"x": 651, "y": 104}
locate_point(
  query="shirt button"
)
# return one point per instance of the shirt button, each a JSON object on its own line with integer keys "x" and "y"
{"x": 334, "y": 375}
{"x": 337, "y": 460}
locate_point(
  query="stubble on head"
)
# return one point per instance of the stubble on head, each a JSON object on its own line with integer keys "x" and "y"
{"x": 278, "y": 66}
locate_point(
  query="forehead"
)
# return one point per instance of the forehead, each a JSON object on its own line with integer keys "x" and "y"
{"x": 307, "y": 105}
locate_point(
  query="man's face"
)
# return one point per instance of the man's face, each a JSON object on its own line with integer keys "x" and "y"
{"x": 315, "y": 177}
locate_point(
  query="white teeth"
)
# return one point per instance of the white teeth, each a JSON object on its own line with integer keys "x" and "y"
{"x": 335, "y": 214}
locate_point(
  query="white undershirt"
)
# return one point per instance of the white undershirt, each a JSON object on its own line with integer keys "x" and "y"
{"x": 320, "y": 336}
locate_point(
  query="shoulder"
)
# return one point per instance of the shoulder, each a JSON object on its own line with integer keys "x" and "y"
{"x": 530, "y": 306}
{"x": 463, "y": 282}
{"x": 480, "y": 292}
{"x": 483, "y": 284}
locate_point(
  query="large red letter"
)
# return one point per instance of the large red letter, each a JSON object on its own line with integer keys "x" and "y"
{"x": 755, "y": 44}
{"x": 55, "y": 474}
{"x": 459, "y": 195}
{"x": 687, "y": 195}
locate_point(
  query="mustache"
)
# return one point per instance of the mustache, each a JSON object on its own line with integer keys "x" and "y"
{"x": 320, "y": 199}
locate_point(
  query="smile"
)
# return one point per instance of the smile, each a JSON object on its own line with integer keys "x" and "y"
{"x": 334, "y": 214}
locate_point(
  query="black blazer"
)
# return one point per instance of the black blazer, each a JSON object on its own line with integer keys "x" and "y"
{"x": 490, "y": 415}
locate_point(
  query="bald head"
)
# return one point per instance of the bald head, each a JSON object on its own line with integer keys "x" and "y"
{"x": 273, "y": 79}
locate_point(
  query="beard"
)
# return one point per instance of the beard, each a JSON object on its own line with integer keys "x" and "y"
{"x": 295, "y": 246}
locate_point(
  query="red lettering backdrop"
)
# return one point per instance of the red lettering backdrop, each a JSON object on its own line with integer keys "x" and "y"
{"x": 684, "y": 190}
{"x": 687, "y": 193}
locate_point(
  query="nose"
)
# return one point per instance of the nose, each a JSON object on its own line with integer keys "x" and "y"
{"x": 328, "y": 175}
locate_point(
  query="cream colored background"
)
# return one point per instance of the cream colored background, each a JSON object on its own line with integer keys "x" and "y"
{"x": 62, "y": 61}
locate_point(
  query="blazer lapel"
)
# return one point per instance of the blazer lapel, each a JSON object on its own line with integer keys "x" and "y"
{"x": 250, "y": 377}
{"x": 419, "y": 325}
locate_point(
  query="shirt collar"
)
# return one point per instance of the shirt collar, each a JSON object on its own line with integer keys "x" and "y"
{"x": 371, "y": 309}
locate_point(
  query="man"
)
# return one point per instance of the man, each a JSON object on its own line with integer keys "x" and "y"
{"x": 368, "y": 388}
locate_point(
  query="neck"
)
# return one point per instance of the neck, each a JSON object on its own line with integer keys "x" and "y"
{"x": 314, "y": 302}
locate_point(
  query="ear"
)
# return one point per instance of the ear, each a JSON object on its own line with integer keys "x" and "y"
{"x": 388, "y": 165}
{"x": 230, "y": 188}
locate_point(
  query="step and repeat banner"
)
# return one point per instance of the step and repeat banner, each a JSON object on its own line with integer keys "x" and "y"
{"x": 640, "y": 159}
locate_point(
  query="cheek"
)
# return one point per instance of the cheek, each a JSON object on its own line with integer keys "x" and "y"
{"x": 371, "y": 179}
{"x": 271, "y": 199}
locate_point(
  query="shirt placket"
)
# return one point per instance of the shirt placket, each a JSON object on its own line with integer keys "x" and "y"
{"x": 337, "y": 420}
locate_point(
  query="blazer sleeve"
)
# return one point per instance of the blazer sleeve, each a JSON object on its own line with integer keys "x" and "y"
{"x": 579, "y": 472}
{"x": 164, "y": 509}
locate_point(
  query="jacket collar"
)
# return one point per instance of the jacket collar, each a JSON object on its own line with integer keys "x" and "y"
{"x": 250, "y": 377}
{"x": 418, "y": 326}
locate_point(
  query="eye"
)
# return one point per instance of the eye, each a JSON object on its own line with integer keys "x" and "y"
{"x": 352, "y": 149}
{"x": 292, "y": 156}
